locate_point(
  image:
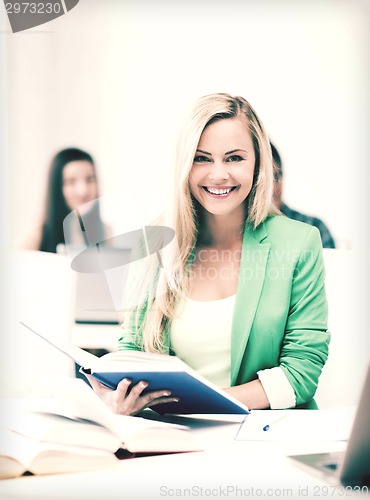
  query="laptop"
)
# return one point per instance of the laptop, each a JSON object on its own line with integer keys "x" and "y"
{"x": 99, "y": 282}
{"x": 352, "y": 466}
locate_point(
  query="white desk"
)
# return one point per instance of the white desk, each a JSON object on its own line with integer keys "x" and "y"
{"x": 223, "y": 472}
{"x": 226, "y": 469}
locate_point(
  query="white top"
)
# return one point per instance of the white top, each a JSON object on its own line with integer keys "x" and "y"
{"x": 201, "y": 336}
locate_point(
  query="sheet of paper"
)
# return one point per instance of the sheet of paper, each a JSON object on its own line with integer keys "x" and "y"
{"x": 297, "y": 425}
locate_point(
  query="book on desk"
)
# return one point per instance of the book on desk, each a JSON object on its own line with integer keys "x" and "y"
{"x": 76, "y": 431}
{"x": 20, "y": 455}
{"x": 196, "y": 394}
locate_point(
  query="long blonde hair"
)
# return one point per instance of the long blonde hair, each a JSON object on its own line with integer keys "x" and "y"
{"x": 171, "y": 282}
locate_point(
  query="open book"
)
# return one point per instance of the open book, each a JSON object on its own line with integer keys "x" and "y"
{"x": 52, "y": 427}
{"x": 196, "y": 394}
{"x": 78, "y": 417}
{"x": 20, "y": 454}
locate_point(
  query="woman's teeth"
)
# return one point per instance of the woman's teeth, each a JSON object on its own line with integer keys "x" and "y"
{"x": 218, "y": 191}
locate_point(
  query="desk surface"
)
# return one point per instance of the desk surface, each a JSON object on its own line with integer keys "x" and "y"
{"x": 239, "y": 471}
{"x": 226, "y": 469}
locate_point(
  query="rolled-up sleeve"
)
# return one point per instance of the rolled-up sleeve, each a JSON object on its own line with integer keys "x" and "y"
{"x": 305, "y": 346}
{"x": 277, "y": 387}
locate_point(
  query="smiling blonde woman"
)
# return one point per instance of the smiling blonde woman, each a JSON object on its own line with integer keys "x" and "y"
{"x": 243, "y": 302}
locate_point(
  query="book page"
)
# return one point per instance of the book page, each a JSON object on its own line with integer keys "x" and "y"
{"x": 81, "y": 357}
{"x": 53, "y": 428}
{"x": 139, "y": 357}
{"x": 85, "y": 403}
{"x": 19, "y": 454}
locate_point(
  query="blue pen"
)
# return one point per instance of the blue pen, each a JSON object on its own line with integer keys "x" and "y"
{"x": 267, "y": 426}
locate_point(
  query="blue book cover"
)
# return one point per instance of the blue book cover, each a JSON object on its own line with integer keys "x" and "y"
{"x": 196, "y": 394}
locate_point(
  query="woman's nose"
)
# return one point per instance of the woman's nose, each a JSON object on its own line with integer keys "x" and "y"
{"x": 218, "y": 172}
{"x": 81, "y": 188}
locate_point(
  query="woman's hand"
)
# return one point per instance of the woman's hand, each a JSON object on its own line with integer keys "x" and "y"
{"x": 124, "y": 403}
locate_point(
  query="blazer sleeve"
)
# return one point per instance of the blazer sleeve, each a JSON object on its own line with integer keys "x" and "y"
{"x": 306, "y": 340}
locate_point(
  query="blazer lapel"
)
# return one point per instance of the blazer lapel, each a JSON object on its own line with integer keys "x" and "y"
{"x": 250, "y": 282}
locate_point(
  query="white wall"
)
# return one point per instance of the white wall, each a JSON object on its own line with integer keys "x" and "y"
{"x": 349, "y": 352}
{"x": 117, "y": 77}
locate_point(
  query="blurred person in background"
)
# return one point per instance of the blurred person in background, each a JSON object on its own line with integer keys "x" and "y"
{"x": 72, "y": 185}
{"x": 326, "y": 237}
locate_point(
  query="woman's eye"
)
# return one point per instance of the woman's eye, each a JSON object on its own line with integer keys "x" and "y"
{"x": 234, "y": 158}
{"x": 201, "y": 159}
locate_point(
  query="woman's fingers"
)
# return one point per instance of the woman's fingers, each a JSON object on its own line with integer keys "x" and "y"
{"x": 138, "y": 401}
{"x": 161, "y": 400}
{"x": 129, "y": 402}
{"x": 97, "y": 386}
{"x": 122, "y": 387}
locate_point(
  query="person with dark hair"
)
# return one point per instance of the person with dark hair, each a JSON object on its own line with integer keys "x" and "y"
{"x": 326, "y": 237}
{"x": 72, "y": 185}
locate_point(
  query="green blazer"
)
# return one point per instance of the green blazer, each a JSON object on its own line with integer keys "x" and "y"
{"x": 280, "y": 313}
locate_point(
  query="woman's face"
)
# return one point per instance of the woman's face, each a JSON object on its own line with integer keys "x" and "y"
{"x": 79, "y": 183}
{"x": 221, "y": 177}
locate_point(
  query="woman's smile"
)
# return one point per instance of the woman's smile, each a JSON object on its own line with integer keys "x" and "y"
{"x": 220, "y": 192}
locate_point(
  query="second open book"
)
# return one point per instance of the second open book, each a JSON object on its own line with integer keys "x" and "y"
{"x": 74, "y": 430}
{"x": 196, "y": 394}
